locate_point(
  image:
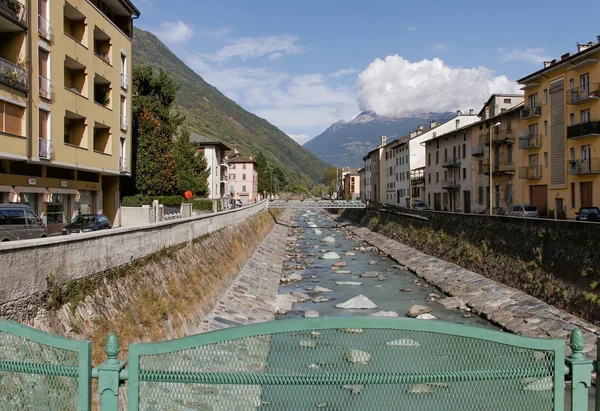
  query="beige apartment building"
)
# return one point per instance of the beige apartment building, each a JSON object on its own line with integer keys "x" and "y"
{"x": 243, "y": 178}
{"x": 65, "y": 98}
{"x": 562, "y": 113}
{"x": 351, "y": 186}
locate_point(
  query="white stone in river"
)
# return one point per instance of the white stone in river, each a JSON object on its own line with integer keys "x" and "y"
{"x": 360, "y": 302}
{"x": 404, "y": 342}
{"x": 308, "y": 343}
{"x": 348, "y": 282}
{"x": 420, "y": 389}
{"x": 344, "y": 272}
{"x": 385, "y": 314}
{"x": 299, "y": 297}
{"x": 332, "y": 255}
{"x": 350, "y": 254}
{"x": 311, "y": 314}
{"x": 357, "y": 356}
{"x": 328, "y": 239}
{"x": 317, "y": 231}
{"x": 415, "y": 310}
{"x": 319, "y": 289}
{"x": 320, "y": 299}
{"x": 370, "y": 274}
{"x": 425, "y": 317}
{"x": 294, "y": 277}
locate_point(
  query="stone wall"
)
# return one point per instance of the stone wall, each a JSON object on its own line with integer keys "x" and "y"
{"x": 31, "y": 268}
{"x": 556, "y": 261}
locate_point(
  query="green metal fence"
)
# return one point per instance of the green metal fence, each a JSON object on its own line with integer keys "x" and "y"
{"x": 329, "y": 363}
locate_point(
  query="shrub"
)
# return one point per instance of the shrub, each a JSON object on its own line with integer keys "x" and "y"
{"x": 139, "y": 200}
{"x": 202, "y": 204}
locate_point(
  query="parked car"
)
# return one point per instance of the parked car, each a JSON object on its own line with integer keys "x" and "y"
{"x": 419, "y": 205}
{"x": 19, "y": 222}
{"x": 523, "y": 210}
{"x": 588, "y": 214}
{"x": 84, "y": 223}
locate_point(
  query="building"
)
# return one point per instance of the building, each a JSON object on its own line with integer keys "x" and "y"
{"x": 499, "y": 103}
{"x": 396, "y": 167}
{"x": 351, "y": 186}
{"x": 65, "y": 97}
{"x": 376, "y": 190}
{"x": 366, "y": 192}
{"x": 417, "y": 184}
{"x": 217, "y": 163}
{"x": 362, "y": 177}
{"x": 562, "y": 114}
{"x": 243, "y": 178}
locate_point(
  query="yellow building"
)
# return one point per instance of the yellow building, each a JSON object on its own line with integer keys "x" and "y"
{"x": 562, "y": 113}
{"x": 65, "y": 98}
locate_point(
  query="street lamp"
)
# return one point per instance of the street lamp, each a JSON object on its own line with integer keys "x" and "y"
{"x": 491, "y": 160}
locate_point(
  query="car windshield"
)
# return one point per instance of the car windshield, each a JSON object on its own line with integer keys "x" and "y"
{"x": 530, "y": 208}
{"x": 84, "y": 219}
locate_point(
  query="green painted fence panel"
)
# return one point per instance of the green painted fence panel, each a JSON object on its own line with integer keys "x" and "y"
{"x": 39, "y": 371}
{"x": 348, "y": 363}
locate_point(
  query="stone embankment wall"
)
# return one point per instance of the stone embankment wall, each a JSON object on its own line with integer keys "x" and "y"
{"x": 556, "y": 261}
{"x": 33, "y": 269}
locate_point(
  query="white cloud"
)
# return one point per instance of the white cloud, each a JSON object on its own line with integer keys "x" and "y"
{"x": 396, "y": 87}
{"x": 300, "y": 138}
{"x": 343, "y": 72}
{"x": 532, "y": 55}
{"x": 174, "y": 32}
{"x": 254, "y": 47}
{"x": 438, "y": 46}
{"x": 220, "y": 32}
{"x": 412, "y": 28}
{"x": 275, "y": 56}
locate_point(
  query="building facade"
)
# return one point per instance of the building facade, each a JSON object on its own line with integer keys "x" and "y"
{"x": 351, "y": 186}
{"x": 243, "y": 178}
{"x": 65, "y": 95}
{"x": 362, "y": 177}
{"x": 366, "y": 192}
{"x": 397, "y": 170}
{"x": 562, "y": 110}
{"x": 217, "y": 164}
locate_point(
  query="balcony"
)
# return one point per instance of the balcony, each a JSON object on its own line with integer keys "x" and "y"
{"x": 584, "y": 130}
{"x": 499, "y": 168}
{"x": 530, "y": 172}
{"x": 124, "y": 81}
{"x": 44, "y": 28}
{"x": 13, "y": 75}
{"x": 528, "y": 141}
{"x": 16, "y": 13}
{"x": 450, "y": 185}
{"x": 477, "y": 151}
{"x": 122, "y": 164}
{"x": 417, "y": 181}
{"x": 584, "y": 166}
{"x": 102, "y": 45}
{"x": 579, "y": 95}
{"x": 102, "y": 91}
{"x": 451, "y": 162}
{"x": 46, "y": 89}
{"x": 123, "y": 123}
{"x": 45, "y": 148}
{"x": 531, "y": 112}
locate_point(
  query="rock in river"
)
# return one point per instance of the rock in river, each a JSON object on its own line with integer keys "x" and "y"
{"x": 340, "y": 264}
{"x": 358, "y": 302}
{"x": 320, "y": 299}
{"x": 328, "y": 239}
{"x": 370, "y": 274}
{"x": 416, "y": 310}
{"x": 319, "y": 289}
{"x": 385, "y": 314}
{"x": 332, "y": 255}
{"x": 311, "y": 314}
{"x": 348, "y": 282}
{"x": 357, "y": 356}
{"x": 425, "y": 317}
{"x": 294, "y": 277}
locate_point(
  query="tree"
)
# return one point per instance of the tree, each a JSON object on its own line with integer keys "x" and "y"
{"x": 191, "y": 169}
{"x": 264, "y": 179}
{"x": 280, "y": 180}
{"x": 330, "y": 178}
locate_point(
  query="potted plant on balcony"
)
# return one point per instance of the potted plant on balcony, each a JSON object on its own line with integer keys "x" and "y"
{"x": 13, "y": 6}
{"x": 105, "y": 98}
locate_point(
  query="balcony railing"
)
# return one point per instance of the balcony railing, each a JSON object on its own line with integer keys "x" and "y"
{"x": 45, "y": 148}
{"x": 46, "y": 89}
{"x": 584, "y": 166}
{"x": 417, "y": 181}
{"x": 124, "y": 81}
{"x": 531, "y": 111}
{"x": 122, "y": 164}
{"x": 123, "y": 123}
{"x": 578, "y": 95}
{"x": 499, "y": 168}
{"x": 451, "y": 162}
{"x": 44, "y": 28}
{"x": 14, "y": 11}
{"x": 103, "y": 56}
{"x": 450, "y": 185}
{"x": 477, "y": 151}
{"x": 530, "y": 141}
{"x": 13, "y": 75}
{"x": 583, "y": 130}
{"x": 528, "y": 172}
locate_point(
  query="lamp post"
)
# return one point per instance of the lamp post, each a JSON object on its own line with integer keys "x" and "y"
{"x": 491, "y": 168}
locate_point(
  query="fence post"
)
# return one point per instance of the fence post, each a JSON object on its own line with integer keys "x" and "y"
{"x": 581, "y": 371}
{"x": 108, "y": 375}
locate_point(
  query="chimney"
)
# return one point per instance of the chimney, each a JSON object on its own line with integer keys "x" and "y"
{"x": 598, "y": 38}
{"x": 420, "y": 127}
{"x": 383, "y": 140}
{"x": 412, "y": 134}
{"x": 235, "y": 151}
{"x": 471, "y": 112}
{"x": 565, "y": 56}
{"x": 458, "y": 112}
{"x": 432, "y": 123}
{"x": 547, "y": 64}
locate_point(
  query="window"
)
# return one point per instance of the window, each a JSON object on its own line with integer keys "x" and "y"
{"x": 429, "y": 198}
{"x": 545, "y": 127}
{"x": 571, "y": 84}
{"x": 545, "y": 96}
{"x": 572, "y": 154}
{"x": 445, "y": 154}
{"x": 429, "y": 178}
{"x": 437, "y": 143}
{"x": 391, "y": 171}
{"x": 243, "y": 177}
{"x": 437, "y": 157}
{"x": 243, "y": 189}
{"x": 584, "y": 83}
{"x": 232, "y": 176}
{"x": 232, "y": 167}
{"x": 572, "y": 119}
{"x": 243, "y": 166}
{"x": 546, "y": 160}
{"x": 437, "y": 177}
{"x": 124, "y": 79}
{"x": 480, "y": 196}
{"x": 464, "y": 173}
{"x": 509, "y": 125}
{"x": 45, "y": 89}
{"x": 509, "y": 153}
{"x": 11, "y": 118}
{"x": 480, "y": 166}
{"x": 573, "y": 195}
{"x": 445, "y": 175}
{"x": 533, "y": 100}
{"x": 585, "y": 115}
{"x": 464, "y": 150}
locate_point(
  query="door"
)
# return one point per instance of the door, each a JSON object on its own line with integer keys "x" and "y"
{"x": 467, "y": 201}
{"x": 538, "y": 196}
{"x": 437, "y": 202}
{"x": 586, "y": 190}
{"x": 585, "y": 159}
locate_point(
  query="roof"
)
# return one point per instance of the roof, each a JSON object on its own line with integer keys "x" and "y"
{"x": 590, "y": 50}
{"x": 497, "y": 95}
{"x": 133, "y": 9}
{"x": 238, "y": 158}
{"x": 201, "y": 140}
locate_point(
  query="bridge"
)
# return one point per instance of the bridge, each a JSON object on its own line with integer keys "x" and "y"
{"x": 315, "y": 204}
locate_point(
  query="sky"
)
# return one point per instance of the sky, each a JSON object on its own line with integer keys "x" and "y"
{"x": 303, "y": 65}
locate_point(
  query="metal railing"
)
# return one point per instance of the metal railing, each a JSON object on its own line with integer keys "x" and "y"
{"x": 124, "y": 81}
{"x": 46, "y": 89}
{"x": 581, "y": 94}
{"x": 531, "y": 111}
{"x": 451, "y": 162}
{"x": 584, "y": 166}
{"x": 122, "y": 164}
{"x": 581, "y": 130}
{"x": 44, "y": 28}
{"x": 530, "y": 141}
{"x": 123, "y": 123}
{"x": 501, "y": 167}
{"x": 15, "y": 11}
{"x": 530, "y": 172}
{"x": 13, "y": 75}
{"x": 477, "y": 151}
{"x": 450, "y": 185}
{"x": 45, "y": 148}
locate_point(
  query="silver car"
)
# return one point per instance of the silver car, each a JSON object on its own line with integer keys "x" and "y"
{"x": 18, "y": 222}
{"x": 523, "y": 210}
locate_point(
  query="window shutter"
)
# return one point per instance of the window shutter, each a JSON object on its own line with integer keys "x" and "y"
{"x": 13, "y": 118}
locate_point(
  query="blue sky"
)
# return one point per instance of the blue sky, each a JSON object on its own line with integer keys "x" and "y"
{"x": 303, "y": 65}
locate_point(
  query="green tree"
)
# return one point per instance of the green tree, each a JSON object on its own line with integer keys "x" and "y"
{"x": 191, "y": 169}
{"x": 330, "y": 177}
{"x": 280, "y": 179}
{"x": 264, "y": 179}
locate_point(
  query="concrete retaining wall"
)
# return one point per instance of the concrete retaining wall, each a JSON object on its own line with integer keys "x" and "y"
{"x": 25, "y": 266}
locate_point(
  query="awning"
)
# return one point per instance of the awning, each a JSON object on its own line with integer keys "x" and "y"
{"x": 12, "y": 194}
{"x": 70, "y": 191}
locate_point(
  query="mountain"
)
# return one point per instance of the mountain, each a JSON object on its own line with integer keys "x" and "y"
{"x": 212, "y": 114}
{"x": 346, "y": 143}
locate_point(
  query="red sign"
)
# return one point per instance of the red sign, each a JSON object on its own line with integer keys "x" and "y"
{"x": 188, "y": 194}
